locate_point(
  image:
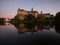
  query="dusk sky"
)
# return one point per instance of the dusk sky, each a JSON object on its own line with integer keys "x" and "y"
{"x": 8, "y": 8}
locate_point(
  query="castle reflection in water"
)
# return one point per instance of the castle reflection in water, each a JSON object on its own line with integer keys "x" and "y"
{"x": 29, "y": 27}
{"x": 32, "y": 27}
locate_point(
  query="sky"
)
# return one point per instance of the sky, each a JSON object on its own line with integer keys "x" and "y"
{"x": 8, "y": 8}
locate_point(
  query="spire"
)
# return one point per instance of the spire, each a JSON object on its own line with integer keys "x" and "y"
{"x": 18, "y": 8}
{"x": 41, "y": 12}
{"x": 31, "y": 9}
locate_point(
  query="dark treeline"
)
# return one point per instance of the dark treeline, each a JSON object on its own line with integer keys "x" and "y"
{"x": 57, "y": 22}
{"x": 30, "y": 18}
{"x": 2, "y": 20}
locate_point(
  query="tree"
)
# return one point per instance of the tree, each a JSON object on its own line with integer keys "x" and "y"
{"x": 30, "y": 21}
{"x": 57, "y": 21}
{"x": 16, "y": 18}
{"x": 29, "y": 17}
{"x": 2, "y": 20}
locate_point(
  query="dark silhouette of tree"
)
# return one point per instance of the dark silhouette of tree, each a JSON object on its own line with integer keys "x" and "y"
{"x": 30, "y": 21}
{"x": 30, "y": 17}
{"x": 57, "y": 30}
{"x": 57, "y": 22}
{"x": 57, "y": 19}
{"x": 16, "y": 18}
{"x": 2, "y": 20}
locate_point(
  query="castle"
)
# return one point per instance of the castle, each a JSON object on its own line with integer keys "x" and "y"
{"x": 22, "y": 13}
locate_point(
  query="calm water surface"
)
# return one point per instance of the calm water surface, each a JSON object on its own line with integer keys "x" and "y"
{"x": 25, "y": 34}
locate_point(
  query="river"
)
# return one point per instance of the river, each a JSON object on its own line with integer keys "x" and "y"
{"x": 27, "y": 34}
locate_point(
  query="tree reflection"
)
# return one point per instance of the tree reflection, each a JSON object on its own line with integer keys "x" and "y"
{"x": 5, "y": 23}
{"x": 57, "y": 30}
{"x": 20, "y": 28}
{"x": 30, "y": 27}
{"x": 26, "y": 27}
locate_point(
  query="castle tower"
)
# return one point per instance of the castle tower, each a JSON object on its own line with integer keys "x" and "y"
{"x": 41, "y": 12}
{"x": 18, "y": 10}
{"x": 31, "y": 9}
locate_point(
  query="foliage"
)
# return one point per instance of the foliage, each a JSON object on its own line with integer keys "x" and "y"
{"x": 2, "y": 20}
{"x": 30, "y": 17}
{"x": 57, "y": 20}
{"x": 16, "y": 18}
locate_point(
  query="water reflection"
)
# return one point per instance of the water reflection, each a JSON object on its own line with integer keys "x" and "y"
{"x": 57, "y": 29}
{"x": 5, "y": 23}
{"x": 20, "y": 28}
{"x": 31, "y": 27}
{"x": 27, "y": 33}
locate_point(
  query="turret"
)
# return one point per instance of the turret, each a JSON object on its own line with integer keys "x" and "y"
{"x": 41, "y": 12}
{"x": 31, "y": 9}
{"x": 18, "y": 10}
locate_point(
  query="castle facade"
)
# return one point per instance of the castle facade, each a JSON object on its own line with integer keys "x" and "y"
{"x": 22, "y": 13}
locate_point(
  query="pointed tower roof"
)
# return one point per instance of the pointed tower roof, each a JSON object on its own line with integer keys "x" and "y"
{"x": 31, "y": 9}
{"x": 18, "y": 8}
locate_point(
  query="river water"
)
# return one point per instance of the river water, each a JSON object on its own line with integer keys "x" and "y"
{"x": 27, "y": 34}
